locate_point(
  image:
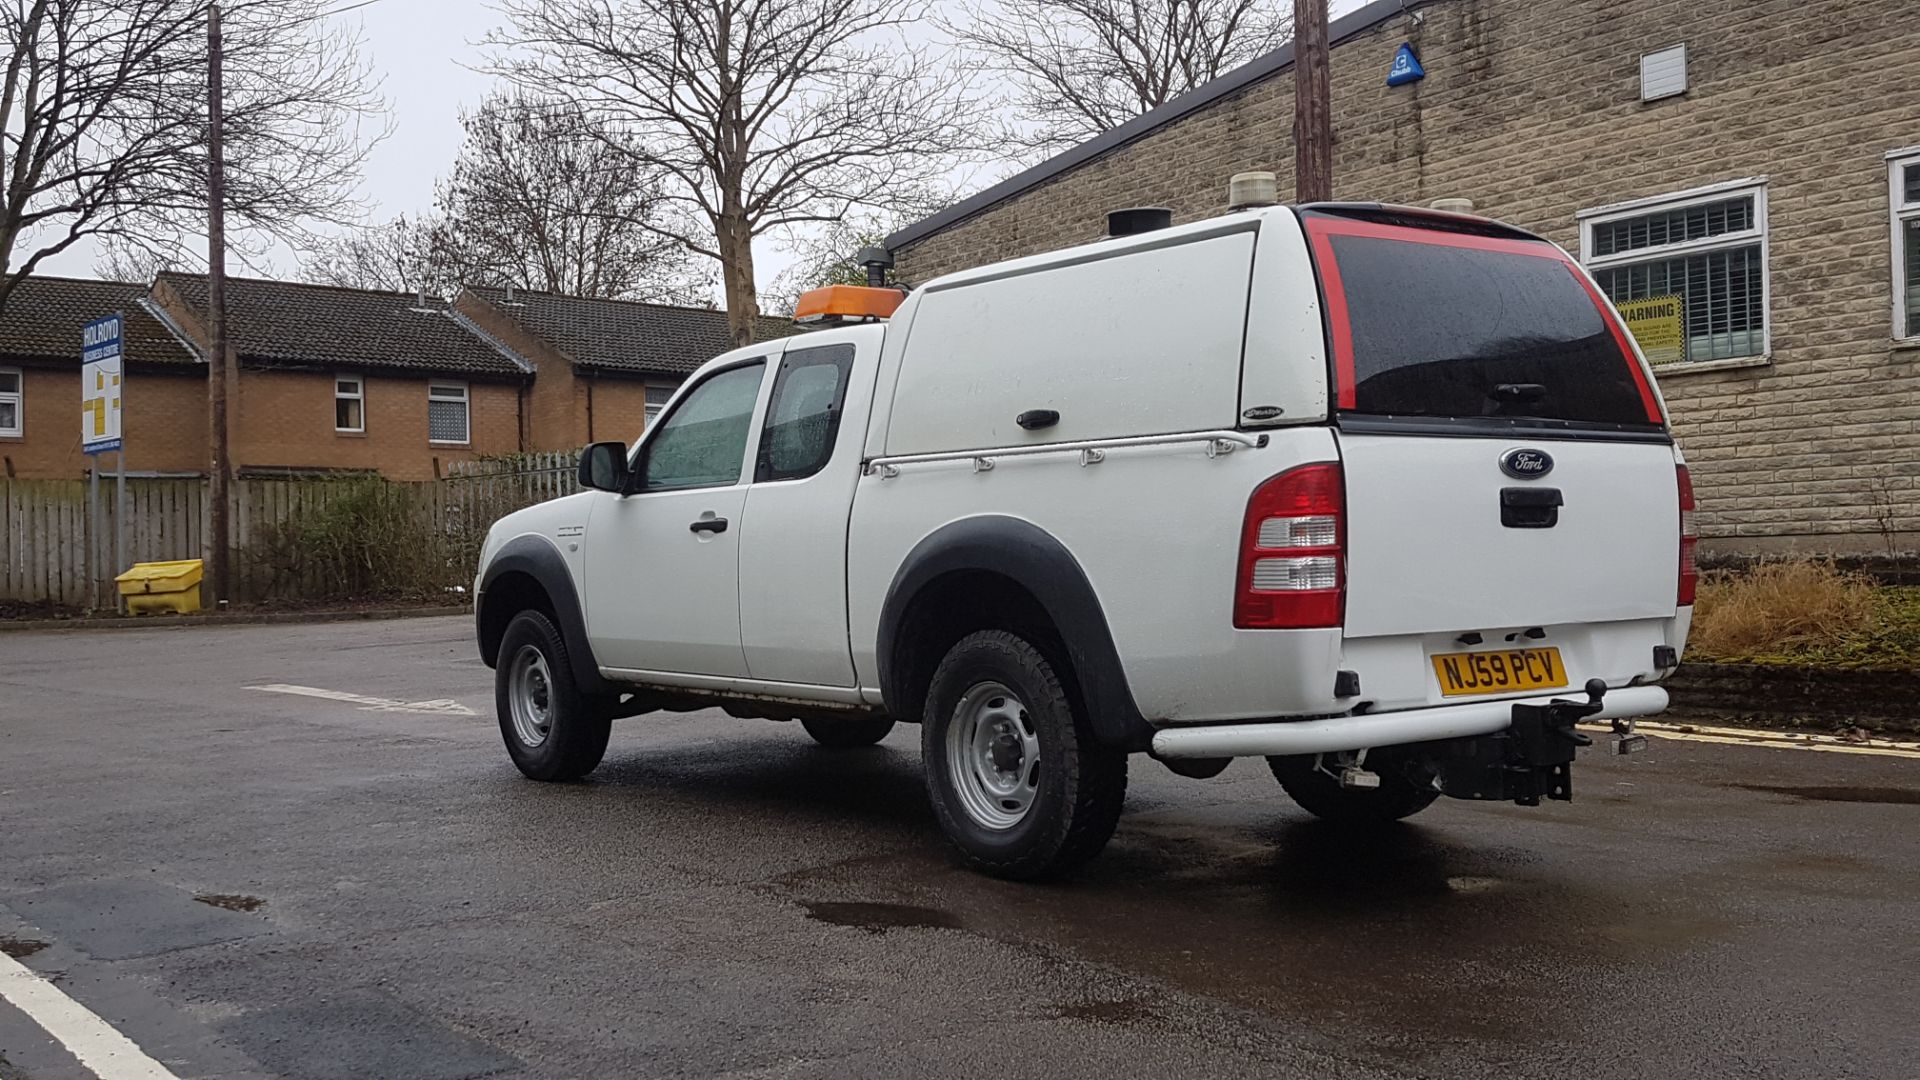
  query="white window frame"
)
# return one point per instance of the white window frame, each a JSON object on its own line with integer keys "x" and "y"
{"x": 359, "y": 394}
{"x": 1902, "y": 212}
{"x": 19, "y": 398}
{"x": 466, "y": 405}
{"x": 649, "y": 409}
{"x": 1680, "y": 200}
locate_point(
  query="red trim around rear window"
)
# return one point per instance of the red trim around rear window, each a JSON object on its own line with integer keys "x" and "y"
{"x": 1321, "y": 230}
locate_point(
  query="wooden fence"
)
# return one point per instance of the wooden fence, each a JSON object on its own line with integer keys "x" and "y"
{"x": 51, "y": 552}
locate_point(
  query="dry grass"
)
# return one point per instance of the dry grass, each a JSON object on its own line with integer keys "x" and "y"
{"x": 1779, "y": 608}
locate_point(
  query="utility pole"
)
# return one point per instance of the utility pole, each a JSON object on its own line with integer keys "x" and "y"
{"x": 1312, "y": 103}
{"x": 218, "y": 468}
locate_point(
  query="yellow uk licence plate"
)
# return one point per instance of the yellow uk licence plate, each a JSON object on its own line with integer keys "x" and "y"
{"x": 1501, "y": 672}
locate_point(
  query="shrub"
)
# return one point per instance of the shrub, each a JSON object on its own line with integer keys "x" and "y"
{"x": 1782, "y": 607}
{"x": 359, "y": 538}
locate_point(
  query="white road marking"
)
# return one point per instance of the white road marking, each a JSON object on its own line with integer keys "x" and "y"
{"x": 1772, "y": 740}
{"x": 436, "y": 707}
{"x": 105, "y": 1052}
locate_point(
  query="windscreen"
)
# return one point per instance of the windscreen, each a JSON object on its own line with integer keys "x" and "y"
{"x": 1441, "y": 325}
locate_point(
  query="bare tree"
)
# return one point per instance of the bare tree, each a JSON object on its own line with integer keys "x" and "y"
{"x": 402, "y": 255}
{"x": 121, "y": 261}
{"x": 1081, "y": 67}
{"x": 103, "y": 123}
{"x": 761, "y": 114}
{"x": 543, "y": 198}
{"x": 828, "y": 254}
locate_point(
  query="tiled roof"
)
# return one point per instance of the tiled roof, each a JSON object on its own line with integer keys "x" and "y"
{"x": 44, "y": 316}
{"x": 291, "y": 323}
{"x": 625, "y": 335}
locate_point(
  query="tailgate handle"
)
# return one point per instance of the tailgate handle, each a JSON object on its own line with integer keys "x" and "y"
{"x": 1530, "y": 507}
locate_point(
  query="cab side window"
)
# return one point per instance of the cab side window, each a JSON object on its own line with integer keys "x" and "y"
{"x": 803, "y": 419}
{"x": 703, "y": 441}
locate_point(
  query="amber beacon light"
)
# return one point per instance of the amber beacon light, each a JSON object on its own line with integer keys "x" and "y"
{"x": 846, "y": 303}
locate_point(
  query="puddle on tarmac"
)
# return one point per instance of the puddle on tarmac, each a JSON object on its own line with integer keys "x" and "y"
{"x": 876, "y": 918}
{"x": 1126, "y": 1013}
{"x": 1878, "y": 796}
{"x": 231, "y": 901}
{"x": 20, "y": 948}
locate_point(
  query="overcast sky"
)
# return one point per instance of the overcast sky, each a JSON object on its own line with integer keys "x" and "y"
{"x": 423, "y": 51}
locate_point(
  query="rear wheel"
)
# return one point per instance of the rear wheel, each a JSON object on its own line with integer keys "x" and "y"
{"x": 842, "y": 734}
{"x": 552, "y": 730}
{"x": 1018, "y": 781}
{"x": 1320, "y": 794}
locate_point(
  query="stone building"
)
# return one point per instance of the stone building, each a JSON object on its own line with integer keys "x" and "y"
{"x": 1757, "y": 160}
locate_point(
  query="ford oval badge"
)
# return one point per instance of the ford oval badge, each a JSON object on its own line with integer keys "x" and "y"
{"x": 1525, "y": 464}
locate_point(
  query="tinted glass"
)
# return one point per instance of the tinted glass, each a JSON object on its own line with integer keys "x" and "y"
{"x": 1445, "y": 331}
{"x": 804, "y": 416}
{"x": 702, "y": 442}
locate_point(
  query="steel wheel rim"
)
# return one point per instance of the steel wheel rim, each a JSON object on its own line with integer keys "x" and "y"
{"x": 530, "y": 696}
{"x": 993, "y": 756}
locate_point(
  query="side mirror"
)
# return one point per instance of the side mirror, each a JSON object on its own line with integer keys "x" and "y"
{"x": 603, "y": 467}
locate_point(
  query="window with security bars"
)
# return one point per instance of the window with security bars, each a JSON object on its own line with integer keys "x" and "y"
{"x": 1905, "y": 182}
{"x": 657, "y": 398}
{"x": 447, "y": 412}
{"x": 1708, "y": 252}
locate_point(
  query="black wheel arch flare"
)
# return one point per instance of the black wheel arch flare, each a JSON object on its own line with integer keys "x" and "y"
{"x": 1038, "y": 562}
{"x": 537, "y": 558}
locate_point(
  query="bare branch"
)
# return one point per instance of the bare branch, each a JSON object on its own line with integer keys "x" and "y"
{"x": 753, "y": 113}
{"x": 103, "y": 123}
{"x": 1081, "y": 67}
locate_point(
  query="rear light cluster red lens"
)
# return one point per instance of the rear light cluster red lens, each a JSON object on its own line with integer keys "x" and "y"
{"x": 1293, "y": 552}
{"x": 1689, "y": 537}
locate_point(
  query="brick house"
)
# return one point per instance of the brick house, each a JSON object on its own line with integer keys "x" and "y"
{"x": 352, "y": 379}
{"x": 165, "y": 419}
{"x": 336, "y": 379}
{"x": 1757, "y": 159}
{"x": 605, "y": 366}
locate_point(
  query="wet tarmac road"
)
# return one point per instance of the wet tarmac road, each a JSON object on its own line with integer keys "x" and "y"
{"x": 269, "y": 883}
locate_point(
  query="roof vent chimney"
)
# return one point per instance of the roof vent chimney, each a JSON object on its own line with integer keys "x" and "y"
{"x": 1453, "y": 206}
{"x": 1249, "y": 189}
{"x": 1138, "y": 219}
{"x": 877, "y": 261}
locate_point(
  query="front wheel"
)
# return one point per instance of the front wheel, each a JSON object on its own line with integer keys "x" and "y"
{"x": 1320, "y": 794}
{"x": 553, "y": 731}
{"x": 1018, "y": 781}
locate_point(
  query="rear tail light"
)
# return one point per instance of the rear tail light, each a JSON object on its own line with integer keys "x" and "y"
{"x": 1293, "y": 552}
{"x": 1689, "y": 536}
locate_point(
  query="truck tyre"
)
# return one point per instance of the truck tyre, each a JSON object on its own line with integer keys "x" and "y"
{"x": 1323, "y": 797}
{"x": 1018, "y": 781}
{"x": 848, "y": 733}
{"x": 553, "y": 731}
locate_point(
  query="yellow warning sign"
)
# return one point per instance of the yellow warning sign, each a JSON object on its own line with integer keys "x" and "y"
{"x": 1659, "y": 324}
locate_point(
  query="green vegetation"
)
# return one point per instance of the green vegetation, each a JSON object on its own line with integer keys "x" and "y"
{"x": 1805, "y": 612}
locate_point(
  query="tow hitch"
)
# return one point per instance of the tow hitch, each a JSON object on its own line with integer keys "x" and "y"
{"x": 1533, "y": 759}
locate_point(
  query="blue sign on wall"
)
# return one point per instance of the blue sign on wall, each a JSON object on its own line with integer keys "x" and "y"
{"x": 1406, "y": 68}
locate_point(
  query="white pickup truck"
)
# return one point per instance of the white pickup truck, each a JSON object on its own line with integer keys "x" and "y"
{"x": 1385, "y": 496}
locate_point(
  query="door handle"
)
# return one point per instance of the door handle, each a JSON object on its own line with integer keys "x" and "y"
{"x": 709, "y": 525}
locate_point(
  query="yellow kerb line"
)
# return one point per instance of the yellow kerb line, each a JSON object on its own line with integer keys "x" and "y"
{"x": 1772, "y": 740}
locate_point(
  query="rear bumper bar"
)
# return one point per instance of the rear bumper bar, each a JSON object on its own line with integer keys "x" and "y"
{"x": 1273, "y": 738}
